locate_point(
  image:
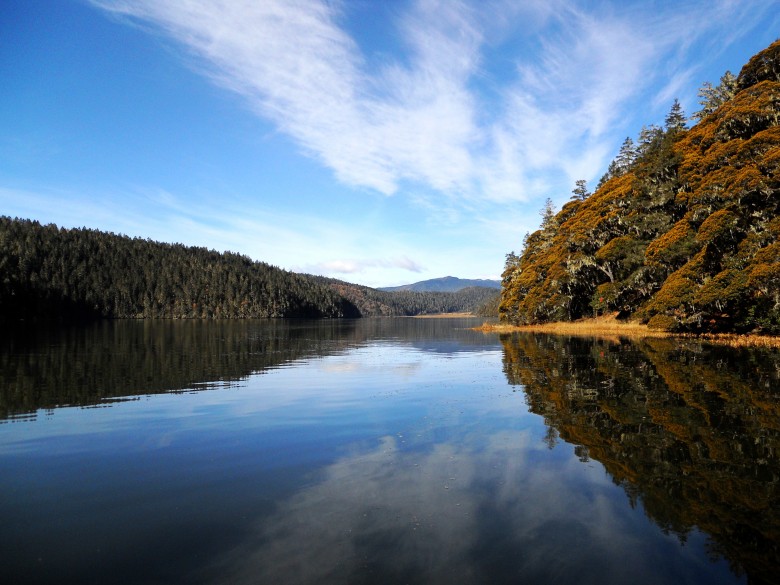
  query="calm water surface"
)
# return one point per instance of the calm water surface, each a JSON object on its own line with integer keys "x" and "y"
{"x": 383, "y": 451}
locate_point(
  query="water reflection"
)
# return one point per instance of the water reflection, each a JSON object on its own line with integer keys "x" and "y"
{"x": 384, "y": 451}
{"x": 44, "y": 368}
{"x": 490, "y": 513}
{"x": 690, "y": 430}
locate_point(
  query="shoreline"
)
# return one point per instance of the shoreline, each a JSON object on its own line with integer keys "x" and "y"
{"x": 610, "y": 327}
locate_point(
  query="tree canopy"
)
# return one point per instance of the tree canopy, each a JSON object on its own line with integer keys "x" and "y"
{"x": 51, "y": 273}
{"x": 682, "y": 232}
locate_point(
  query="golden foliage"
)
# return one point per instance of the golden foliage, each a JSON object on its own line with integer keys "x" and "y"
{"x": 684, "y": 238}
{"x": 670, "y": 247}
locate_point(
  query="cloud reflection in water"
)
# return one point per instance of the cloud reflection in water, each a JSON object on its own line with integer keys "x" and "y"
{"x": 457, "y": 513}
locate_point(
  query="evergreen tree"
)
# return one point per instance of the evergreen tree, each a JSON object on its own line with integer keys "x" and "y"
{"x": 649, "y": 137}
{"x": 580, "y": 191}
{"x": 548, "y": 214}
{"x": 626, "y": 156}
{"x": 714, "y": 97}
{"x": 612, "y": 171}
{"x": 675, "y": 119}
{"x": 622, "y": 163}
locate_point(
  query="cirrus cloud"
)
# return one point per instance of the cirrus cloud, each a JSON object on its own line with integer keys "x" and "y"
{"x": 438, "y": 116}
{"x": 353, "y": 266}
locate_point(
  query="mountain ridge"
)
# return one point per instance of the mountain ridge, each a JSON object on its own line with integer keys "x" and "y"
{"x": 444, "y": 284}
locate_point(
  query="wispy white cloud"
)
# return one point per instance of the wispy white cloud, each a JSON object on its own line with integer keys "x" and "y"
{"x": 353, "y": 266}
{"x": 296, "y": 67}
{"x": 421, "y": 119}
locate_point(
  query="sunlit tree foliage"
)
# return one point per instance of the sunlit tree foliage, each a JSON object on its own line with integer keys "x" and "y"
{"x": 682, "y": 231}
{"x": 714, "y": 97}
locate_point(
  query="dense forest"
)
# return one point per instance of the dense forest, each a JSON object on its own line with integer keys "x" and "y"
{"x": 682, "y": 231}
{"x": 49, "y": 273}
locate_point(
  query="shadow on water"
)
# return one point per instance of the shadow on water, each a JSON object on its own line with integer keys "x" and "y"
{"x": 690, "y": 430}
{"x": 100, "y": 362}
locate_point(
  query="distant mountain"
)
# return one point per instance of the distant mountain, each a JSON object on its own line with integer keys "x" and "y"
{"x": 445, "y": 284}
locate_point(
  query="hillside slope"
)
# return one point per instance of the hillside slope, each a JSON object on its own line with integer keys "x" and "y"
{"x": 51, "y": 273}
{"x": 682, "y": 235}
{"x": 47, "y": 272}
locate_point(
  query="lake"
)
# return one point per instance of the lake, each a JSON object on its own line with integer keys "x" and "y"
{"x": 383, "y": 451}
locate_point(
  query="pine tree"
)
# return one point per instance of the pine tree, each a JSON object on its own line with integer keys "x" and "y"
{"x": 612, "y": 171}
{"x": 649, "y": 137}
{"x": 626, "y": 157}
{"x": 548, "y": 214}
{"x": 675, "y": 120}
{"x": 580, "y": 191}
{"x": 713, "y": 97}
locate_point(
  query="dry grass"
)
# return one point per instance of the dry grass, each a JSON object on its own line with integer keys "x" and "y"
{"x": 443, "y": 316}
{"x": 610, "y": 328}
{"x": 597, "y": 326}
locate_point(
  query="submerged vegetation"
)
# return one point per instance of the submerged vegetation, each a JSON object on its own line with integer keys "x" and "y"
{"x": 682, "y": 232}
{"x": 48, "y": 273}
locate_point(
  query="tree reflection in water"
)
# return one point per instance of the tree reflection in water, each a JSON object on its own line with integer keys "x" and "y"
{"x": 690, "y": 430}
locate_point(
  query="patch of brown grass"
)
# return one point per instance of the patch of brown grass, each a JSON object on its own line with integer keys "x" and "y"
{"x": 596, "y": 326}
{"x": 443, "y": 316}
{"x": 611, "y": 328}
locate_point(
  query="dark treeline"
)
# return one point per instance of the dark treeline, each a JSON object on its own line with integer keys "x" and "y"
{"x": 49, "y": 273}
{"x": 682, "y": 233}
{"x": 490, "y": 308}
{"x": 690, "y": 430}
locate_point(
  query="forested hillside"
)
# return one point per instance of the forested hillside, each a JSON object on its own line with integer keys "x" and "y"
{"x": 682, "y": 232}
{"x": 48, "y": 273}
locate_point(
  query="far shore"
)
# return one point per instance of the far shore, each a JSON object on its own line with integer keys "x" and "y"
{"x": 610, "y": 327}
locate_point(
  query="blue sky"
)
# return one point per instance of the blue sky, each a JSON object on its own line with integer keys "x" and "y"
{"x": 376, "y": 142}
